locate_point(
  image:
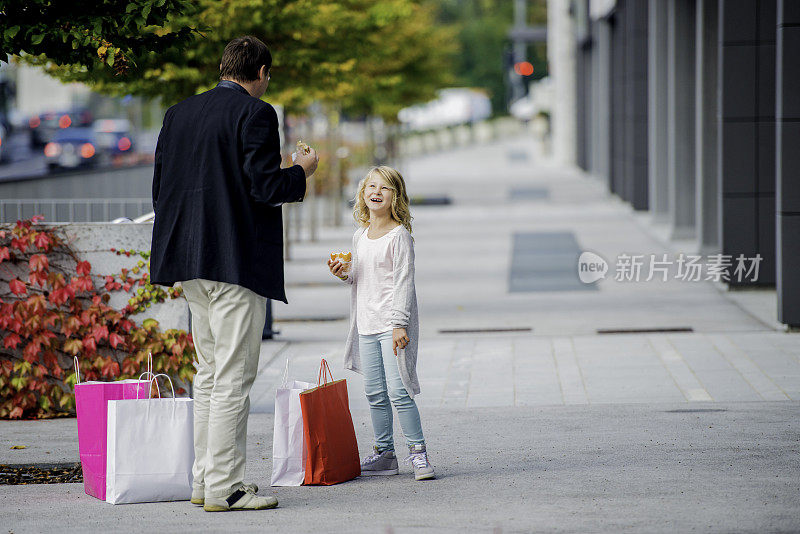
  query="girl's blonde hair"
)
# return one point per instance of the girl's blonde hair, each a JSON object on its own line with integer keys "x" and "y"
{"x": 400, "y": 205}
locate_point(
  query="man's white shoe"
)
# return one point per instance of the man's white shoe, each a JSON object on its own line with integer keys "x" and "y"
{"x": 243, "y": 498}
{"x": 199, "y": 494}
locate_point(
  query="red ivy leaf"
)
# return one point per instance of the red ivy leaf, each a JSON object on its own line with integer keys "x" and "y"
{"x": 89, "y": 344}
{"x": 4, "y": 254}
{"x": 19, "y": 244}
{"x": 38, "y": 277}
{"x": 115, "y": 339}
{"x": 110, "y": 368}
{"x": 58, "y": 296}
{"x": 31, "y": 352}
{"x": 57, "y": 280}
{"x": 36, "y": 218}
{"x": 38, "y": 262}
{"x": 43, "y": 241}
{"x": 36, "y": 304}
{"x": 16, "y": 413}
{"x": 83, "y": 268}
{"x": 84, "y": 283}
{"x": 70, "y": 326}
{"x": 17, "y": 286}
{"x": 99, "y": 333}
{"x": 11, "y": 341}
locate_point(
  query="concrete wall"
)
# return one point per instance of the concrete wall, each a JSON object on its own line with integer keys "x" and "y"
{"x": 93, "y": 242}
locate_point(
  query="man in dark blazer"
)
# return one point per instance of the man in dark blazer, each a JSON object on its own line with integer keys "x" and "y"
{"x": 217, "y": 190}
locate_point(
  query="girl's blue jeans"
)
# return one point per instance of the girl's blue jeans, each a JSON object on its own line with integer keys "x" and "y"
{"x": 384, "y": 388}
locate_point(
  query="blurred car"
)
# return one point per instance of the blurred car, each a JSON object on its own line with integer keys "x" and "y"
{"x": 72, "y": 148}
{"x": 45, "y": 125}
{"x": 453, "y": 106}
{"x": 3, "y": 139}
{"x": 114, "y": 136}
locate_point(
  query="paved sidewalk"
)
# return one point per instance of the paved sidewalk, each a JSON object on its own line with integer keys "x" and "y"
{"x": 465, "y": 255}
{"x": 727, "y": 467}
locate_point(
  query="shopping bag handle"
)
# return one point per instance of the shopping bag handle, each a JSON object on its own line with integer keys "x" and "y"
{"x": 285, "y": 374}
{"x": 149, "y": 371}
{"x": 158, "y": 390}
{"x": 324, "y": 372}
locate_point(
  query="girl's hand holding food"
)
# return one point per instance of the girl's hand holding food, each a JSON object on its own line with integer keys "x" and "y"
{"x": 337, "y": 269}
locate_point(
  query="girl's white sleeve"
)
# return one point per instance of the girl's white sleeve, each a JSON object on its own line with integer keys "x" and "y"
{"x": 403, "y": 266}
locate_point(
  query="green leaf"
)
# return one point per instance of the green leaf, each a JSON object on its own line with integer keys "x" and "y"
{"x": 110, "y": 58}
{"x": 160, "y": 3}
{"x": 75, "y": 44}
{"x": 11, "y": 32}
{"x": 36, "y": 39}
{"x": 146, "y": 11}
{"x": 131, "y": 7}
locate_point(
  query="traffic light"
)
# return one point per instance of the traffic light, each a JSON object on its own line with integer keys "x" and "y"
{"x": 523, "y": 68}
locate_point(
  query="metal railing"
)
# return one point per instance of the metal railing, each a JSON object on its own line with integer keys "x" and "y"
{"x": 74, "y": 209}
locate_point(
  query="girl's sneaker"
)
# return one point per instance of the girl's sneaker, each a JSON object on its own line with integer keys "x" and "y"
{"x": 418, "y": 457}
{"x": 379, "y": 463}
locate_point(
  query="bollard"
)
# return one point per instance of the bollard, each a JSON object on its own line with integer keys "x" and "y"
{"x": 268, "y": 332}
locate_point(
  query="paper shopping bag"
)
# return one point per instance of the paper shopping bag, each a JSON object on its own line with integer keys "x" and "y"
{"x": 91, "y": 403}
{"x": 332, "y": 455}
{"x": 150, "y": 450}
{"x": 288, "y": 445}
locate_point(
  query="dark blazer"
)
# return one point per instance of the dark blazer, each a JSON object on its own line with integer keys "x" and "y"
{"x": 217, "y": 190}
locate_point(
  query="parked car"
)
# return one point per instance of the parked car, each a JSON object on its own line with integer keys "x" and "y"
{"x": 45, "y": 125}
{"x": 3, "y": 140}
{"x": 114, "y": 136}
{"x": 72, "y": 148}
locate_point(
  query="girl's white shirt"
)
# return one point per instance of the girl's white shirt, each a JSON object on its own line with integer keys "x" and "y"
{"x": 375, "y": 288}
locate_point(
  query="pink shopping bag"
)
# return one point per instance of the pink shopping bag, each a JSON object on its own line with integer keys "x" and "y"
{"x": 91, "y": 405}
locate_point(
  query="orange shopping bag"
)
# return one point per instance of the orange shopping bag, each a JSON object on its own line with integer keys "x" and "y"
{"x": 328, "y": 432}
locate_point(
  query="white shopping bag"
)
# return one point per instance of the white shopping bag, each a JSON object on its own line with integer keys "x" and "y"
{"x": 288, "y": 445}
{"x": 150, "y": 450}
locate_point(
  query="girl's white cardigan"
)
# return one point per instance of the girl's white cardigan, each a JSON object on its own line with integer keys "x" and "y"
{"x": 404, "y": 308}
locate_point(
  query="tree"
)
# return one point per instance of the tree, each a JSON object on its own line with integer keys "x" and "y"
{"x": 105, "y": 36}
{"x": 360, "y": 54}
{"x": 410, "y": 58}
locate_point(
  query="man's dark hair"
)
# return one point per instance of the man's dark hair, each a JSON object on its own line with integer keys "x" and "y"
{"x": 243, "y": 57}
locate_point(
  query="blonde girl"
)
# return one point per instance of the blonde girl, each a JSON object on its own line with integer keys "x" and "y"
{"x": 384, "y": 324}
